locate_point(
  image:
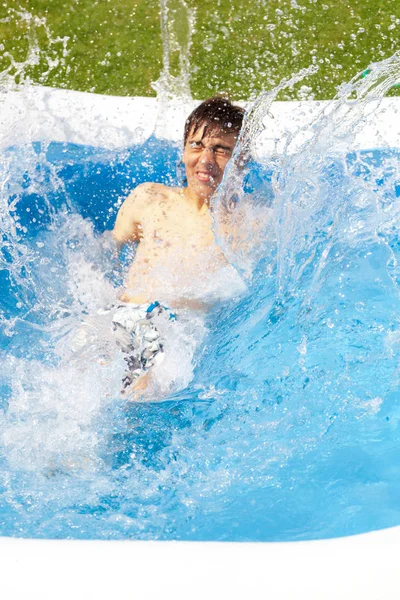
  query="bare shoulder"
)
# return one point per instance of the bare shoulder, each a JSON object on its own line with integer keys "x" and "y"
{"x": 148, "y": 195}
{"x": 153, "y": 191}
{"x": 146, "y": 201}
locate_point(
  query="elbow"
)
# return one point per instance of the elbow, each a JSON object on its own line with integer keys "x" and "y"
{"x": 122, "y": 238}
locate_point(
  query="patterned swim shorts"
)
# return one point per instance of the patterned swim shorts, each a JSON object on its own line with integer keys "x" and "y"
{"x": 138, "y": 337}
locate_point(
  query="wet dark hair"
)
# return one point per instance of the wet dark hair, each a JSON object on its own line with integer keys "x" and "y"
{"x": 216, "y": 113}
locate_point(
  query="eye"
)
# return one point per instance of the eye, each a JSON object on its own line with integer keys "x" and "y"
{"x": 223, "y": 151}
{"x": 195, "y": 144}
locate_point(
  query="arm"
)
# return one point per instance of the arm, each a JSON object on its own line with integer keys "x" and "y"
{"x": 128, "y": 223}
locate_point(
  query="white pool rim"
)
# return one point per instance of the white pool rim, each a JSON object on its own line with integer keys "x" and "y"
{"x": 351, "y": 568}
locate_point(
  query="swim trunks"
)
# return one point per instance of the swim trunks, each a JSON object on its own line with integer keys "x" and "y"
{"x": 138, "y": 338}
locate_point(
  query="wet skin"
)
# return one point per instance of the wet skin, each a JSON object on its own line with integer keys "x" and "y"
{"x": 173, "y": 226}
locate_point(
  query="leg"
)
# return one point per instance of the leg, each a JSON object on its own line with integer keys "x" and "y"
{"x": 136, "y": 391}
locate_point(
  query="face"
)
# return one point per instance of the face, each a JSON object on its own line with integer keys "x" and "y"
{"x": 205, "y": 158}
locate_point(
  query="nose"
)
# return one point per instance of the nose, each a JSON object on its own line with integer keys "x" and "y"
{"x": 207, "y": 156}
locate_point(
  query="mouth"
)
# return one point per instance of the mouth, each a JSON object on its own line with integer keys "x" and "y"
{"x": 205, "y": 177}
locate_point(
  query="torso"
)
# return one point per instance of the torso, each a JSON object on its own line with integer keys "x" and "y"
{"x": 177, "y": 259}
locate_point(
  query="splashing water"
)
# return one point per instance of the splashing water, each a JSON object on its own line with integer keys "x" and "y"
{"x": 17, "y": 73}
{"x": 177, "y": 26}
{"x": 285, "y": 424}
{"x": 173, "y": 86}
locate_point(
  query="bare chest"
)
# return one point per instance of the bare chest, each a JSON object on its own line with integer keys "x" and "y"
{"x": 171, "y": 227}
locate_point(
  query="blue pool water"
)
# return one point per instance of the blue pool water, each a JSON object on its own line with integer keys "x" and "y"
{"x": 289, "y": 426}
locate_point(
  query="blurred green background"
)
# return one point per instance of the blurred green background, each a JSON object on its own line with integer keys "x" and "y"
{"x": 239, "y": 47}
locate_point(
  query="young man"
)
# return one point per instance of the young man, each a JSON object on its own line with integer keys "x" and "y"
{"x": 177, "y": 263}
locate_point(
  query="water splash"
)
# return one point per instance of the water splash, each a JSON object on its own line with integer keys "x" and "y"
{"x": 27, "y": 163}
{"x": 177, "y": 27}
{"x": 173, "y": 86}
{"x": 244, "y": 241}
{"x": 298, "y": 189}
{"x": 50, "y": 57}
{"x": 287, "y": 381}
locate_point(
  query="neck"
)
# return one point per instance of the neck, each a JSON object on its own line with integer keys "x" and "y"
{"x": 199, "y": 202}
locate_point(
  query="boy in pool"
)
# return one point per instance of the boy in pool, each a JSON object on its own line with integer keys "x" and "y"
{"x": 176, "y": 256}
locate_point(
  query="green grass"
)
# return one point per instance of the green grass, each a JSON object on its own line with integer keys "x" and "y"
{"x": 239, "y": 47}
